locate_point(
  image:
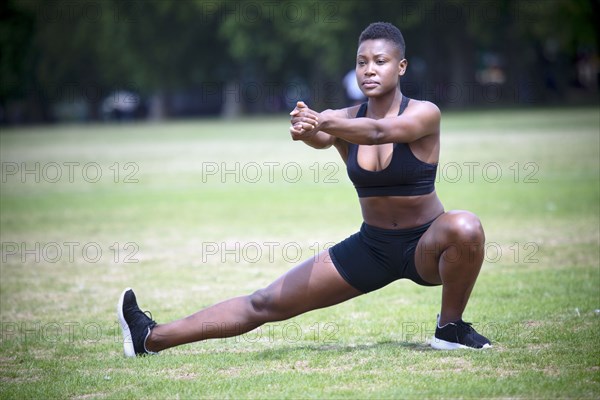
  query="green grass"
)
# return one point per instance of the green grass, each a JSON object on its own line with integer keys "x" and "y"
{"x": 532, "y": 176}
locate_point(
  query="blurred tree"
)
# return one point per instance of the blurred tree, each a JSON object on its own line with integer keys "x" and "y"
{"x": 559, "y": 31}
{"x": 279, "y": 45}
{"x": 159, "y": 47}
{"x": 263, "y": 52}
{"x": 16, "y": 31}
{"x": 68, "y": 51}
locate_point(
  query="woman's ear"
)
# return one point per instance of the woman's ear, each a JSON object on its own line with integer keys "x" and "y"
{"x": 402, "y": 66}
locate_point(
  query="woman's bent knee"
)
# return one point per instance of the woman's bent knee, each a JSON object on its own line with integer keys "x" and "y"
{"x": 466, "y": 226}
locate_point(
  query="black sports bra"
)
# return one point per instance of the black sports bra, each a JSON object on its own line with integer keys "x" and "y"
{"x": 406, "y": 175}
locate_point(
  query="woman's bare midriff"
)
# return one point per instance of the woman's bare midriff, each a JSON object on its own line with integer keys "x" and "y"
{"x": 400, "y": 212}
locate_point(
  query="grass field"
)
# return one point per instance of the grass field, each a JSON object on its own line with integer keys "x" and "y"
{"x": 189, "y": 213}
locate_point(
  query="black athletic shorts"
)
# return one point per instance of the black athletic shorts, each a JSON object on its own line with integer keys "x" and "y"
{"x": 375, "y": 257}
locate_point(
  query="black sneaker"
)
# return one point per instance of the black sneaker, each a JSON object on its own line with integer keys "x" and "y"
{"x": 458, "y": 335}
{"x": 135, "y": 324}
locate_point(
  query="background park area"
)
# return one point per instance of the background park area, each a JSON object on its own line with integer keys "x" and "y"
{"x": 148, "y": 147}
{"x": 188, "y": 213}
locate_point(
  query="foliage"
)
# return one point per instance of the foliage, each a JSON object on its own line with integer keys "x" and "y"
{"x": 56, "y": 50}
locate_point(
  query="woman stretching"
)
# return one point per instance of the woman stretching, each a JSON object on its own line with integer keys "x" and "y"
{"x": 391, "y": 146}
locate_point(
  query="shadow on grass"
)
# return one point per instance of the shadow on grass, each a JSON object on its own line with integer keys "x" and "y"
{"x": 285, "y": 351}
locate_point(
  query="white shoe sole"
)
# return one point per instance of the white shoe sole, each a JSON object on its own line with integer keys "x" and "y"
{"x": 127, "y": 342}
{"x": 440, "y": 344}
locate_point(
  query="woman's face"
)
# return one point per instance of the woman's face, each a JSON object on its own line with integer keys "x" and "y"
{"x": 379, "y": 66}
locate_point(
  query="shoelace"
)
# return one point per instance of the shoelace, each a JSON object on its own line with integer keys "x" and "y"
{"x": 146, "y": 314}
{"x": 467, "y": 325}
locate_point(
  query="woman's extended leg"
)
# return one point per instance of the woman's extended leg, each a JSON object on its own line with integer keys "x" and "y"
{"x": 313, "y": 284}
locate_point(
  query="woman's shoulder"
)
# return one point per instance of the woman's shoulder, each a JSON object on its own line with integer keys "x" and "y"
{"x": 424, "y": 110}
{"x": 424, "y": 105}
